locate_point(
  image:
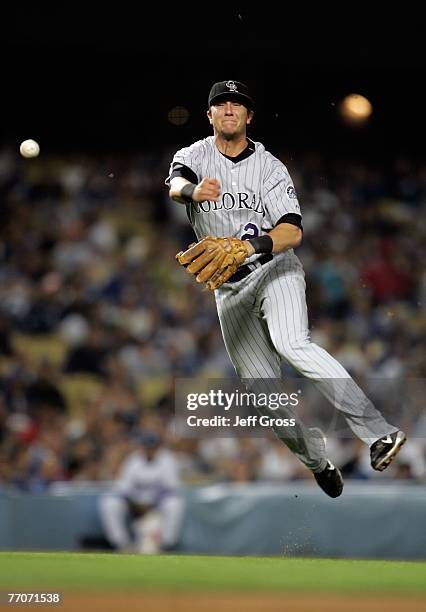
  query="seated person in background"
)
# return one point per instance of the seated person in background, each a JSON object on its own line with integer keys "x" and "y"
{"x": 143, "y": 511}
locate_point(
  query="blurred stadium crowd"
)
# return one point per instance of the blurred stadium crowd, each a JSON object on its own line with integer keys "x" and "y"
{"x": 96, "y": 319}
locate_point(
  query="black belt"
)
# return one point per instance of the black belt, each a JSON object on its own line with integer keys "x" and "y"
{"x": 249, "y": 268}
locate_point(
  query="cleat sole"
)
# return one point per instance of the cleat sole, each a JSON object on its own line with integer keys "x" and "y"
{"x": 390, "y": 455}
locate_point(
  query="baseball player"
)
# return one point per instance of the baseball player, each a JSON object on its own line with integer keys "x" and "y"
{"x": 243, "y": 207}
{"x": 147, "y": 489}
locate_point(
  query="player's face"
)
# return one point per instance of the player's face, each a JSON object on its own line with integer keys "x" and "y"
{"x": 229, "y": 119}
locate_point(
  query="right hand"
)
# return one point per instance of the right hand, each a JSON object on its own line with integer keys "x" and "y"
{"x": 208, "y": 189}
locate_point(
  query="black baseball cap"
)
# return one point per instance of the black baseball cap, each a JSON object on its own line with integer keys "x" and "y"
{"x": 226, "y": 90}
{"x": 148, "y": 438}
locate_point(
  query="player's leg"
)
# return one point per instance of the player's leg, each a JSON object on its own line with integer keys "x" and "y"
{"x": 284, "y": 307}
{"x": 171, "y": 508}
{"x": 258, "y": 364}
{"x": 246, "y": 336}
{"x": 148, "y": 530}
{"x": 114, "y": 512}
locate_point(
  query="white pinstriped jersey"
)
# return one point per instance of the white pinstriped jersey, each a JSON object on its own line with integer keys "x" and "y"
{"x": 255, "y": 192}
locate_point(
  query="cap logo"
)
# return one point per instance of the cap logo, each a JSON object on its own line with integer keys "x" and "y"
{"x": 231, "y": 86}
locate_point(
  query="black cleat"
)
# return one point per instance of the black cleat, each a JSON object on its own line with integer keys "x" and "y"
{"x": 384, "y": 451}
{"x": 330, "y": 480}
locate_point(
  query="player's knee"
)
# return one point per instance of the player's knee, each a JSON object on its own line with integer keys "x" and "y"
{"x": 293, "y": 348}
{"x": 172, "y": 504}
{"x": 111, "y": 504}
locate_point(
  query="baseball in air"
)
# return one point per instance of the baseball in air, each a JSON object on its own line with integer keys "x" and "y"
{"x": 29, "y": 148}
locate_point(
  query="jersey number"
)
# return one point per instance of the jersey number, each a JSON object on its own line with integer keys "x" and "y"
{"x": 251, "y": 231}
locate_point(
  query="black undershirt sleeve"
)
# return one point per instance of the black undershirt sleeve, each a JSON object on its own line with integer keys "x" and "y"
{"x": 185, "y": 172}
{"x": 292, "y": 218}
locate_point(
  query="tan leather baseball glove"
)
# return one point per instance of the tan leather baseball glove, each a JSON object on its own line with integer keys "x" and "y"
{"x": 214, "y": 260}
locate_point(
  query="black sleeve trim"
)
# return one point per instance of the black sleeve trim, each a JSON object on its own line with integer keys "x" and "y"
{"x": 183, "y": 171}
{"x": 292, "y": 218}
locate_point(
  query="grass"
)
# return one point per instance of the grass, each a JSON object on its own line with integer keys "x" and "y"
{"x": 75, "y": 571}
